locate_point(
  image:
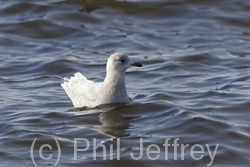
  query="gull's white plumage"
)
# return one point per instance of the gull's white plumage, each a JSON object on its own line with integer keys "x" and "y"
{"x": 86, "y": 93}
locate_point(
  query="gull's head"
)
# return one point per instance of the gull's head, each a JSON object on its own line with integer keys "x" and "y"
{"x": 120, "y": 62}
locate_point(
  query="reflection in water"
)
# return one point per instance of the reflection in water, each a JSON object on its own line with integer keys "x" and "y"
{"x": 114, "y": 124}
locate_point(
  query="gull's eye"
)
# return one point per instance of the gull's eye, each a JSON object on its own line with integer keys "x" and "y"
{"x": 122, "y": 60}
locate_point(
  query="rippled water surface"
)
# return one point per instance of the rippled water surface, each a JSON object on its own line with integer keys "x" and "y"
{"x": 194, "y": 86}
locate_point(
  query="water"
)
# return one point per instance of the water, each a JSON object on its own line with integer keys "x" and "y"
{"x": 194, "y": 84}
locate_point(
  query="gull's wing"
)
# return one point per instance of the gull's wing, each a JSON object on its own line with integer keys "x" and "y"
{"x": 80, "y": 90}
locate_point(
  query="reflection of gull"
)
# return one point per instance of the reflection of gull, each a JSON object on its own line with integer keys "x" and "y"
{"x": 114, "y": 124}
{"x": 86, "y": 93}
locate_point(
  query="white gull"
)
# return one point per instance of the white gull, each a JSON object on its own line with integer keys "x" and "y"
{"x": 86, "y": 93}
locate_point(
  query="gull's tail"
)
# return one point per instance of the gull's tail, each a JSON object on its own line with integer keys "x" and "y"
{"x": 79, "y": 89}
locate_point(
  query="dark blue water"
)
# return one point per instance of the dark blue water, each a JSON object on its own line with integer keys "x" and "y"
{"x": 194, "y": 87}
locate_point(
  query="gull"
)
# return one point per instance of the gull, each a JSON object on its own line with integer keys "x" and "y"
{"x": 86, "y": 93}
